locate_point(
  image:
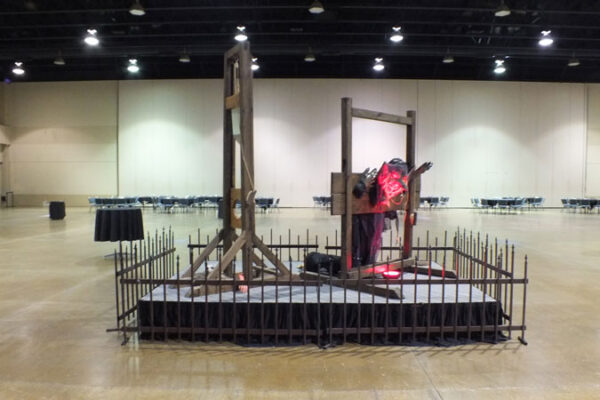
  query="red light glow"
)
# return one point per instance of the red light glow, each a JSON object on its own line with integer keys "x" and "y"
{"x": 391, "y": 274}
{"x": 391, "y": 182}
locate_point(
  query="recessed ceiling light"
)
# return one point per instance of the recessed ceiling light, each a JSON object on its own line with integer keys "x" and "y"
{"x": 137, "y": 9}
{"x": 254, "y": 66}
{"x": 499, "y": 68}
{"x": 448, "y": 59}
{"x": 310, "y": 56}
{"x": 91, "y": 39}
{"x": 18, "y": 68}
{"x": 573, "y": 62}
{"x": 396, "y": 36}
{"x": 546, "y": 40}
{"x": 502, "y": 10}
{"x": 133, "y": 67}
{"x": 316, "y": 7}
{"x": 184, "y": 58}
{"x": 240, "y": 34}
{"x": 378, "y": 66}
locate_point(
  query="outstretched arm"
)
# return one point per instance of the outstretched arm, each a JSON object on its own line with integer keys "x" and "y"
{"x": 416, "y": 172}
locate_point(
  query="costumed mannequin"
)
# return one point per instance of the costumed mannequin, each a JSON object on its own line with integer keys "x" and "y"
{"x": 391, "y": 180}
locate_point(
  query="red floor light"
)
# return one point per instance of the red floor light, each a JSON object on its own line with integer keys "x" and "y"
{"x": 391, "y": 274}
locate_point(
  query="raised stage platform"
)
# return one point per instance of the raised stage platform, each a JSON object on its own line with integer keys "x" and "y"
{"x": 432, "y": 310}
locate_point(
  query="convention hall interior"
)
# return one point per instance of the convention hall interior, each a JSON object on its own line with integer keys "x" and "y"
{"x": 227, "y": 141}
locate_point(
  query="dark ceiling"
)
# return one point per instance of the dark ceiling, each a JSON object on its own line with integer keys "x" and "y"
{"x": 345, "y": 38}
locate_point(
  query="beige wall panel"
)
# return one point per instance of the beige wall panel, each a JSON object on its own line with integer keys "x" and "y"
{"x": 63, "y": 138}
{"x": 61, "y": 104}
{"x": 485, "y": 138}
{"x": 298, "y": 137}
{"x": 4, "y": 135}
{"x": 170, "y": 137}
{"x": 62, "y": 178}
{"x": 593, "y": 153}
{"x": 501, "y": 139}
{"x": 592, "y": 186}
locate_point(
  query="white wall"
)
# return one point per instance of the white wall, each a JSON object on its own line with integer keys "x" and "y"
{"x": 298, "y": 136}
{"x": 63, "y": 139}
{"x": 593, "y": 142}
{"x": 170, "y": 137}
{"x": 484, "y": 138}
{"x": 502, "y": 139}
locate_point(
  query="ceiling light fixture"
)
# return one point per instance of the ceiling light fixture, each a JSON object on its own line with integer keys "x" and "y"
{"x": 396, "y": 36}
{"x": 310, "y": 56}
{"x": 316, "y": 8}
{"x": 184, "y": 58}
{"x": 18, "y": 68}
{"x": 133, "y": 67}
{"x": 137, "y": 9}
{"x": 573, "y": 62}
{"x": 546, "y": 40}
{"x": 378, "y": 66}
{"x": 254, "y": 66}
{"x": 59, "y": 60}
{"x": 91, "y": 39}
{"x": 240, "y": 34}
{"x": 448, "y": 59}
{"x": 499, "y": 68}
{"x": 502, "y": 10}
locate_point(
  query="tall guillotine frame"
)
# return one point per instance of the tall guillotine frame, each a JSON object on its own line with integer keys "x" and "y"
{"x": 238, "y": 100}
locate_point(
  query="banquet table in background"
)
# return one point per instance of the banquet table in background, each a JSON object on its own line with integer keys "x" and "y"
{"x": 118, "y": 224}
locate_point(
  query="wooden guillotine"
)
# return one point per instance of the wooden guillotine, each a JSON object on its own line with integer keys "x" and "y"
{"x": 238, "y": 152}
{"x": 345, "y": 204}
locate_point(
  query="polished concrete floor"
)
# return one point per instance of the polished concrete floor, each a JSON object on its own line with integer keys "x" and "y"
{"x": 56, "y": 301}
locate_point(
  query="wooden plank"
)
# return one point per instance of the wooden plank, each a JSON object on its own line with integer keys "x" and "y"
{"x": 338, "y": 184}
{"x": 247, "y": 153}
{"x": 361, "y": 205}
{"x": 229, "y": 54}
{"x": 236, "y": 222}
{"x": 409, "y": 216}
{"x": 210, "y": 247}
{"x": 377, "y": 268}
{"x": 230, "y": 255}
{"x": 232, "y": 101}
{"x": 271, "y": 257}
{"x": 361, "y": 286}
{"x": 416, "y": 197}
{"x": 346, "y": 259}
{"x": 383, "y": 117}
{"x": 228, "y": 145}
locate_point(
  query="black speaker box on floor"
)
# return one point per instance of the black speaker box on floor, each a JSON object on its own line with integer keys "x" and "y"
{"x": 57, "y": 210}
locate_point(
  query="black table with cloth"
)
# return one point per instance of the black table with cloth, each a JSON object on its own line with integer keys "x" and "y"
{"x": 117, "y": 224}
